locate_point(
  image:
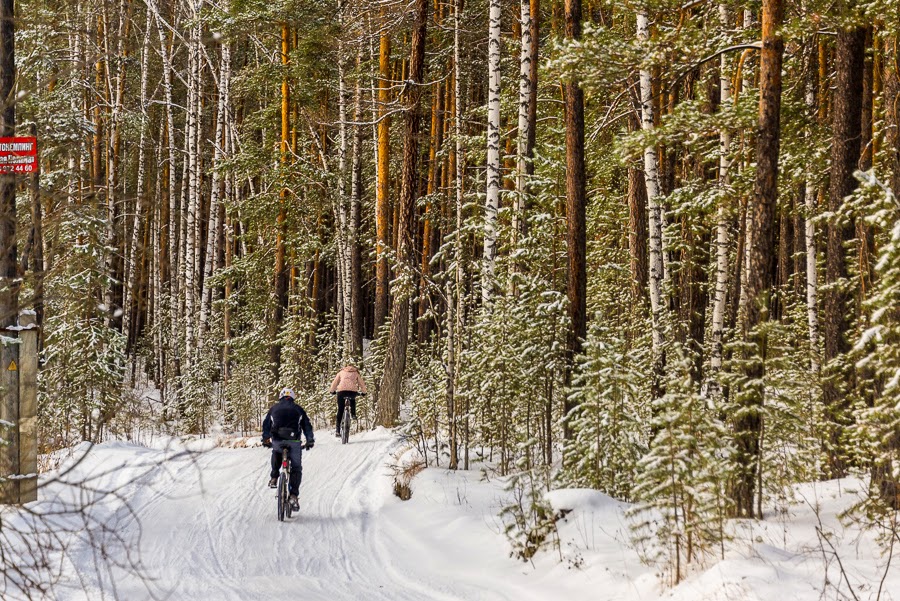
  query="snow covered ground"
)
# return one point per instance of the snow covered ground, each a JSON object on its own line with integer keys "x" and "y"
{"x": 196, "y": 522}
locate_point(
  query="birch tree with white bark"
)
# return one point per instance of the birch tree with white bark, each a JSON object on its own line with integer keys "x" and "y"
{"x": 723, "y": 218}
{"x": 527, "y": 89}
{"x": 810, "y": 192}
{"x": 341, "y": 217}
{"x": 492, "y": 201}
{"x": 651, "y": 178}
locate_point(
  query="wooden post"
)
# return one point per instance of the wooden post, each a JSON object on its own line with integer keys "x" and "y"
{"x": 18, "y": 411}
{"x": 9, "y": 417}
{"x": 28, "y": 372}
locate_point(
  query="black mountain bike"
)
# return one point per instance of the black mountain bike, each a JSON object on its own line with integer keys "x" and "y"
{"x": 345, "y": 420}
{"x": 283, "y": 488}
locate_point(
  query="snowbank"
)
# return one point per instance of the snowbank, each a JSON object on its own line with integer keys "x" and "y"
{"x": 193, "y": 520}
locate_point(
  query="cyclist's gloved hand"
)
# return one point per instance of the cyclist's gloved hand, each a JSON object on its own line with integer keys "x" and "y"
{"x": 267, "y": 442}
{"x": 310, "y": 444}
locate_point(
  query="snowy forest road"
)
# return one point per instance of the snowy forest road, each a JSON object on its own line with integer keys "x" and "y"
{"x": 193, "y": 520}
{"x": 205, "y": 527}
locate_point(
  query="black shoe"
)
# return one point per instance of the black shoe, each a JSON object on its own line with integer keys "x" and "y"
{"x": 273, "y": 482}
{"x": 295, "y": 504}
{"x": 337, "y": 433}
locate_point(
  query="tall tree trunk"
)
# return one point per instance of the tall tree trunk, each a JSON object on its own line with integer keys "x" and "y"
{"x": 655, "y": 213}
{"x": 356, "y": 192}
{"x": 9, "y": 300}
{"x": 382, "y": 202}
{"x": 130, "y": 267}
{"x": 845, "y": 151}
{"x": 864, "y": 231}
{"x": 280, "y": 277}
{"x": 748, "y": 418}
{"x": 226, "y": 310}
{"x": 214, "y": 225}
{"x": 97, "y": 162}
{"x": 341, "y": 214}
{"x": 783, "y": 263}
{"x": 492, "y": 201}
{"x": 576, "y": 202}
{"x": 170, "y": 227}
{"x": 192, "y": 174}
{"x": 891, "y": 80}
{"x": 810, "y": 192}
{"x": 37, "y": 255}
{"x": 884, "y": 472}
{"x": 458, "y": 284}
{"x": 160, "y": 265}
{"x": 637, "y": 221}
{"x": 723, "y": 220}
{"x": 528, "y": 63}
{"x": 395, "y": 363}
{"x": 744, "y": 258}
{"x": 9, "y": 288}
{"x": 116, "y": 85}
{"x": 232, "y": 190}
{"x": 429, "y": 235}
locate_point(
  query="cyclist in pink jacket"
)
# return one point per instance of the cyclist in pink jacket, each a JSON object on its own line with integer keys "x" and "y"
{"x": 347, "y": 384}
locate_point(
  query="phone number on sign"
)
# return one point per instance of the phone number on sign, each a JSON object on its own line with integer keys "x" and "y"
{"x": 20, "y": 168}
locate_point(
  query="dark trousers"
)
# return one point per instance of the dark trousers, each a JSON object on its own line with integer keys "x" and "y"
{"x": 295, "y": 450}
{"x": 342, "y": 398}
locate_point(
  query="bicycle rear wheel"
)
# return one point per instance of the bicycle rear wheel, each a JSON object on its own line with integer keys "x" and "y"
{"x": 283, "y": 505}
{"x": 345, "y": 426}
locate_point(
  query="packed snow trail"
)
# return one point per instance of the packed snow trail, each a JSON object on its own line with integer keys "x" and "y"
{"x": 194, "y": 521}
{"x": 205, "y": 527}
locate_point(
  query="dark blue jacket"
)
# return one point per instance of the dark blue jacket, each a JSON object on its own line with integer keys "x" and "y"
{"x": 286, "y": 420}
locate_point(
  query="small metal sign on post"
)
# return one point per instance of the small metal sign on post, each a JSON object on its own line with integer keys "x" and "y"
{"x": 18, "y": 155}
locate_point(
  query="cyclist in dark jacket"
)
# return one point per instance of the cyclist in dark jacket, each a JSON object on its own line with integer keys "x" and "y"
{"x": 282, "y": 428}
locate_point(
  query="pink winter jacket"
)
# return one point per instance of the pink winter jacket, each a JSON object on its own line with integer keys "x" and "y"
{"x": 348, "y": 380}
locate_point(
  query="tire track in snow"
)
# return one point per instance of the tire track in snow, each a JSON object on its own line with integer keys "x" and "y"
{"x": 362, "y": 482}
{"x": 208, "y": 529}
{"x": 183, "y": 535}
{"x": 345, "y": 502}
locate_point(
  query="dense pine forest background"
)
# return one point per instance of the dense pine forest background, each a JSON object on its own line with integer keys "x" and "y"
{"x": 652, "y": 248}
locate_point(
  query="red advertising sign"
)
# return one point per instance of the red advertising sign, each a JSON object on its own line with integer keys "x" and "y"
{"x": 18, "y": 155}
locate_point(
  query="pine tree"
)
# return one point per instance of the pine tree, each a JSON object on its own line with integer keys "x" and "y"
{"x": 610, "y": 422}
{"x": 877, "y": 352}
{"x": 680, "y": 481}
